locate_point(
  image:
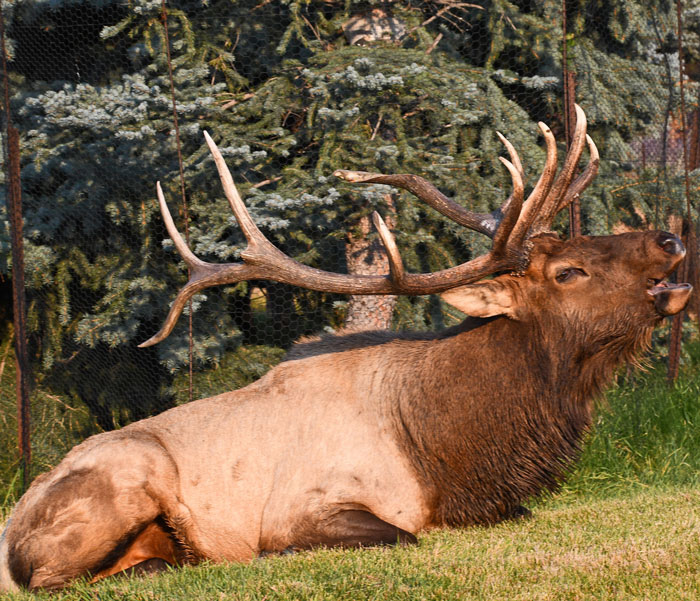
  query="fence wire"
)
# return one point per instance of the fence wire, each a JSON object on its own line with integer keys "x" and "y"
{"x": 291, "y": 91}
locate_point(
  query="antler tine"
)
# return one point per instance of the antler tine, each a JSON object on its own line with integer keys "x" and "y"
{"x": 203, "y": 275}
{"x": 545, "y": 216}
{"x": 514, "y": 158}
{"x": 395, "y": 263}
{"x": 512, "y": 212}
{"x": 582, "y": 181}
{"x": 188, "y": 256}
{"x": 538, "y": 195}
{"x": 251, "y": 232}
{"x": 425, "y": 191}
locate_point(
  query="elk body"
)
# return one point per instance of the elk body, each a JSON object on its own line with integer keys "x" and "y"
{"x": 368, "y": 438}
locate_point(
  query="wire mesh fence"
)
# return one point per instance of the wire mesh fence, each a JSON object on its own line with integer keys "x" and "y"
{"x": 111, "y": 96}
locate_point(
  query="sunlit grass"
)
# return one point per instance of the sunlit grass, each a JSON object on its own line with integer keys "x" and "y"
{"x": 626, "y": 548}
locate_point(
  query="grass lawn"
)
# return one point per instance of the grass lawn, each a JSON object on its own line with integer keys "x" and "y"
{"x": 645, "y": 546}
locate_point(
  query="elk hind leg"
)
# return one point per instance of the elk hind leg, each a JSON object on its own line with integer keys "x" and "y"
{"x": 80, "y": 518}
{"x": 152, "y": 550}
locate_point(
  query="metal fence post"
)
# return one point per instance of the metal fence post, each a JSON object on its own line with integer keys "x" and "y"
{"x": 19, "y": 306}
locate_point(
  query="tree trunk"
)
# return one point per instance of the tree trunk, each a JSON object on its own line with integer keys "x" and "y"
{"x": 365, "y": 256}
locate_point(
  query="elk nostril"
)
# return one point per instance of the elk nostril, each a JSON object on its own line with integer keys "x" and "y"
{"x": 671, "y": 244}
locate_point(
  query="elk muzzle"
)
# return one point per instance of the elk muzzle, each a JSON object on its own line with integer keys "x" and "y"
{"x": 670, "y": 299}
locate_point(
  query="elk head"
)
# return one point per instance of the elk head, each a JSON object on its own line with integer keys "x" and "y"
{"x": 593, "y": 294}
{"x": 560, "y": 277}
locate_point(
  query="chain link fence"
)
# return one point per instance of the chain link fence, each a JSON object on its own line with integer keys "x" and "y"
{"x": 110, "y": 96}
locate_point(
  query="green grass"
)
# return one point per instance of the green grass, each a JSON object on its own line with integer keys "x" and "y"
{"x": 627, "y": 548}
{"x": 644, "y": 435}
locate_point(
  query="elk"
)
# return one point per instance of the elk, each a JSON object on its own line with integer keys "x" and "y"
{"x": 368, "y": 438}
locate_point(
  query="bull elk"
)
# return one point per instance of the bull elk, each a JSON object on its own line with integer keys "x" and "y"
{"x": 368, "y": 438}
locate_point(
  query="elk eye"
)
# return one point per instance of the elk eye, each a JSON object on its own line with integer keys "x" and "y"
{"x": 568, "y": 274}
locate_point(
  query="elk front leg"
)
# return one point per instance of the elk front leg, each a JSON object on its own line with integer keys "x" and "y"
{"x": 349, "y": 528}
{"x": 520, "y": 513}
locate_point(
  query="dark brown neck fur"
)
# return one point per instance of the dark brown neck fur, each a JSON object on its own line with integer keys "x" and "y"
{"x": 481, "y": 446}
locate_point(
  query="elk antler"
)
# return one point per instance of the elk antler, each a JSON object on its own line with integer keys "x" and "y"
{"x": 509, "y": 227}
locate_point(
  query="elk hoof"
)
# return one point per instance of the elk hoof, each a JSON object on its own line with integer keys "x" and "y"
{"x": 521, "y": 513}
{"x": 155, "y": 565}
{"x": 286, "y": 551}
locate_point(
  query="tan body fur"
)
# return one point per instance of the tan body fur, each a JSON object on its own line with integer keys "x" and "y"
{"x": 266, "y": 478}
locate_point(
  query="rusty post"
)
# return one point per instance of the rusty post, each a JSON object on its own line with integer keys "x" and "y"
{"x": 676, "y": 337}
{"x": 674, "y": 345}
{"x": 19, "y": 305}
{"x": 694, "y": 148}
{"x": 569, "y": 80}
{"x": 14, "y": 209}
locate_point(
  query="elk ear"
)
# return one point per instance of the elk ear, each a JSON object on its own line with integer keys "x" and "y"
{"x": 485, "y": 299}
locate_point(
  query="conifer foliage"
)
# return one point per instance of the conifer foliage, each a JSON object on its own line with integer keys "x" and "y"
{"x": 290, "y": 90}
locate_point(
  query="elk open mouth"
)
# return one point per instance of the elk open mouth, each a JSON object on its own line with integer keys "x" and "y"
{"x": 669, "y": 299}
